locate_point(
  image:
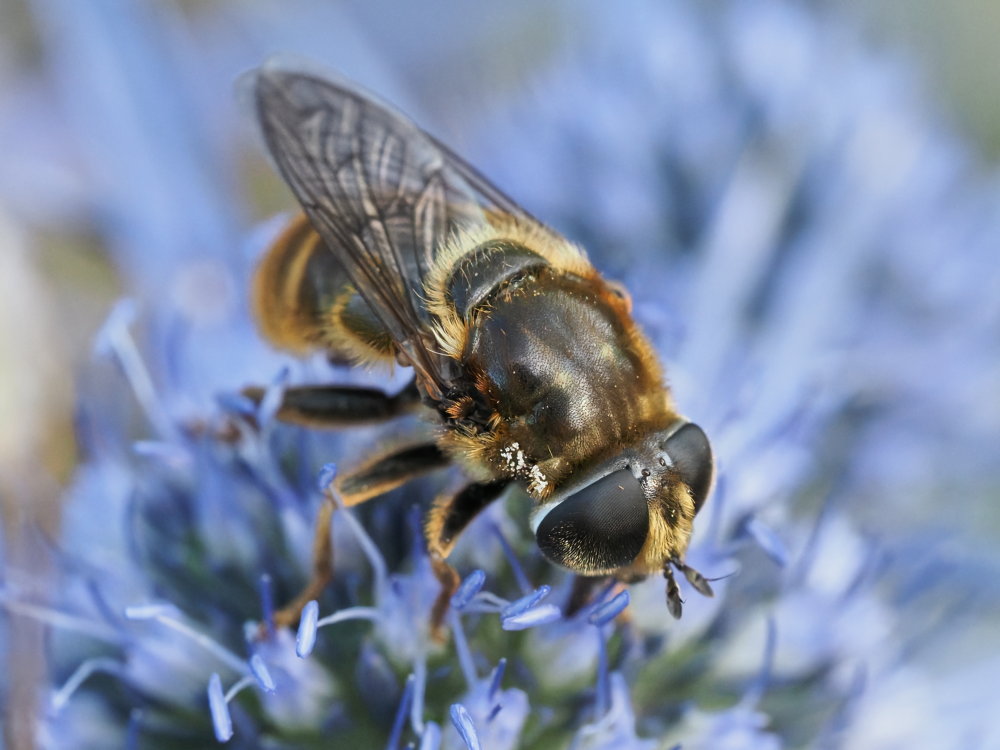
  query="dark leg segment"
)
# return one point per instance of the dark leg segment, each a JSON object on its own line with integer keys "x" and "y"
{"x": 390, "y": 470}
{"x": 696, "y": 579}
{"x": 447, "y": 519}
{"x": 675, "y": 604}
{"x": 338, "y": 406}
{"x": 377, "y": 477}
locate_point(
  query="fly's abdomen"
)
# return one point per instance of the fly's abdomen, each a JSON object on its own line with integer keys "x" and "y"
{"x": 304, "y": 301}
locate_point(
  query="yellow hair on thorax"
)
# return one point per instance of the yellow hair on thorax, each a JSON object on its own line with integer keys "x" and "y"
{"x": 451, "y": 330}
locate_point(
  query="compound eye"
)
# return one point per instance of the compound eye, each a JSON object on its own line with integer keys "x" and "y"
{"x": 600, "y": 528}
{"x": 691, "y": 454}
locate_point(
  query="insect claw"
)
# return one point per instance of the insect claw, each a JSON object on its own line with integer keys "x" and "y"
{"x": 696, "y": 579}
{"x": 674, "y": 606}
{"x": 674, "y": 601}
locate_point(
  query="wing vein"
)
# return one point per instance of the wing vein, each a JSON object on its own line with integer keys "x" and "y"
{"x": 383, "y": 195}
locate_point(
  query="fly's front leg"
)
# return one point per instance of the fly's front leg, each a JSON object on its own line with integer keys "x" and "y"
{"x": 446, "y": 519}
{"x": 384, "y": 473}
{"x": 390, "y": 470}
{"x": 697, "y": 580}
{"x": 675, "y": 604}
{"x": 338, "y": 406}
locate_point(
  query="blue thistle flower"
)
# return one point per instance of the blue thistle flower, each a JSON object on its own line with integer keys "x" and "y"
{"x": 814, "y": 256}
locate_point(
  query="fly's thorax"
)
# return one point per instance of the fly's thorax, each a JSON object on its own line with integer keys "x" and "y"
{"x": 475, "y": 261}
{"x": 564, "y": 367}
{"x": 477, "y": 277}
{"x": 555, "y": 373}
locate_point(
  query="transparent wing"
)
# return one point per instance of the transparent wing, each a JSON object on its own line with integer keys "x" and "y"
{"x": 382, "y": 194}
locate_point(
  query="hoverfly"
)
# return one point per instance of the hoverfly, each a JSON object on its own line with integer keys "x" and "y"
{"x": 526, "y": 358}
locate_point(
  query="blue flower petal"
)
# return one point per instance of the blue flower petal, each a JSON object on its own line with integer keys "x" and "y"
{"x": 260, "y": 671}
{"x": 526, "y": 602}
{"x": 326, "y": 476}
{"x": 305, "y": 640}
{"x": 541, "y": 615}
{"x": 471, "y": 586}
{"x": 222, "y": 723}
{"x": 461, "y": 720}
{"x": 609, "y": 610}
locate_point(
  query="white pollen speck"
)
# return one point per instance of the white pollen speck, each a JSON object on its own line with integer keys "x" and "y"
{"x": 538, "y": 480}
{"x": 517, "y": 464}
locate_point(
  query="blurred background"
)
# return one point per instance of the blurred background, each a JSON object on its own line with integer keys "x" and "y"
{"x": 130, "y": 169}
{"x": 61, "y": 277}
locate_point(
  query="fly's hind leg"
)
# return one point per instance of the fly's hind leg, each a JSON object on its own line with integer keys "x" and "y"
{"x": 338, "y": 406}
{"x": 447, "y": 518}
{"x": 374, "y": 478}
{"x": 322, "y": 569}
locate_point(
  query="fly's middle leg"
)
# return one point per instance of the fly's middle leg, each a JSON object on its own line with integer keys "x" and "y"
{"x": 447, "y": 518}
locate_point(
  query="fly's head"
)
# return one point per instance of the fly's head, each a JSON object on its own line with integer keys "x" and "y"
{"x": 632, "y": 515}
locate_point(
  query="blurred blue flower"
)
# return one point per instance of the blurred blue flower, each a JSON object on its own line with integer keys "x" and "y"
{"x": 812, "y": 252}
